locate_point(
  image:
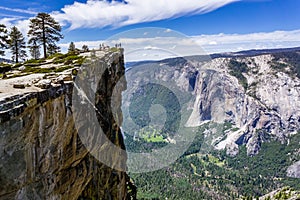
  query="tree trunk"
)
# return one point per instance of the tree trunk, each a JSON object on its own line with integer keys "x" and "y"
{"x": 17, "y": 55}
{"x": 44, "y": 39}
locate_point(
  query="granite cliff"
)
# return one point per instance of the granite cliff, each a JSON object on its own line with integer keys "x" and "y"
{"x": 258, "y": 99}
{"x": 42, "y": 155}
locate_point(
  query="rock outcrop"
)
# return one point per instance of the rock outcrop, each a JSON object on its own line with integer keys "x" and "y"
{"x": 41, "y": 153}
{"x": 294, "y": 170}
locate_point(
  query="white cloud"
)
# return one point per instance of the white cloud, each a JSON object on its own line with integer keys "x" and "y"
{"x": 18, "y": 10}
{"x": 235, "y": 42}
{"x": 96, "y": 13}
{"x": 275, "y": 36}
{"x": 173, "y": 47}
{"x": 213, "y": 43}
{"x": 20, "y": 23}
{"x": 149, "y": 47}
{"x": 8, "y": 20}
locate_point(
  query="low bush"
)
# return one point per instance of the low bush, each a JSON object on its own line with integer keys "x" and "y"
{"x": 34, "y": 61}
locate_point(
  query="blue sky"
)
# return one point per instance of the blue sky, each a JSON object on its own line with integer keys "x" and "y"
{"x": 218, "y": 25}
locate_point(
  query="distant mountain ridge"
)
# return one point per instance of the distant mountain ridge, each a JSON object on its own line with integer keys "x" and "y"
{"x": 245, "y": 53}
{"x": 254, "y": 52}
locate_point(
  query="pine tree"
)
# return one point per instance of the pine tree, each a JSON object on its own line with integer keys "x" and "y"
{"x": 34, "y": 50}
{"x": 52, "y": 49}
{"x": 85, "y": 48}
{"x": 46, "y": 31}
{"x": 17, "y": 44}
{"x": 71, "y": 48}
{"x": 3, "y": 39}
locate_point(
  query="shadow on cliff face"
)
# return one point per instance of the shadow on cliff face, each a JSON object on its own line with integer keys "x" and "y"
{"x": 96, "y": 106}
{"x": 97, "y": 115}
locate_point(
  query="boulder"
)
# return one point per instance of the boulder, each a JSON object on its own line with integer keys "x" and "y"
{"x": 22, "y": 68}
{"x": 44, "y": 84}
{"x": 294, "y": 170}
{"x": 19, "y": 85}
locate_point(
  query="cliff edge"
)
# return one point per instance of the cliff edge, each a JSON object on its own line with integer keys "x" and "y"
{"x": 42, "y": 155}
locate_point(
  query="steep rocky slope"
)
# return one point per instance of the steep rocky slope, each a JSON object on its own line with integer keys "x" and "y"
{"x": 41, "y": 153}
{"x": 282, "y": 193}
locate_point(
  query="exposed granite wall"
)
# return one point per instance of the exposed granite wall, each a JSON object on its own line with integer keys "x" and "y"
{"x": 41, "y": 153}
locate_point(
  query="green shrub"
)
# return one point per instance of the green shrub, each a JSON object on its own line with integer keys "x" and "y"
{"x": 68, "y": 59}
{"x": 55, "y": 55}
{"x": 227, "y": 126}
{"x": 5, "y": 65}
{"x": 38, "y": 70}
{"x": 293, "y": 63}
{"x": 79, "y": 61}
{"x": 74, "y": 72}
{"x": 61, "y": 69}
{"x": 240, "y": 67}
{"x": 235, "y": 129}
{"x": 58, "y": 61}
{"x": 34, "y": 61}
{"x": 17, "y": 65}
{"x": 114, "y": 49}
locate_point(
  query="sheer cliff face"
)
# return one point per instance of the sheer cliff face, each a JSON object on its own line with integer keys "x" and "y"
{"x": 268, "y": 107}
{"x": 42, "y": 156}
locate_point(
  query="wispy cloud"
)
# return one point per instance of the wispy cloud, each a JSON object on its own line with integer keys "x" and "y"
{"x": 18, "y": 10}
{"x": 95, "y": 13}
{"x": 251, "y": 37}
{"x": 21, "y": 22}
{"x": 237, "y": 42}
{"x": 2, "y": 15}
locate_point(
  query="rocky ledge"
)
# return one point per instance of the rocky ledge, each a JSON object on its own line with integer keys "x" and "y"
{"x": 13, "y": 106}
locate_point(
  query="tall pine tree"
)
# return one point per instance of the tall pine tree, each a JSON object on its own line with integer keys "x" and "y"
{"x": 72, "y": 48}
{"x": 46, "y": 31}
{"x": 34, "y": 50}
{"x": 3, "y": 39}
{"x": 17, "y": 44}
